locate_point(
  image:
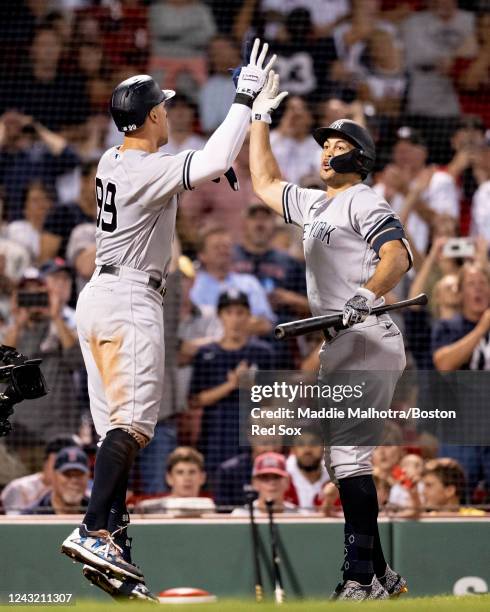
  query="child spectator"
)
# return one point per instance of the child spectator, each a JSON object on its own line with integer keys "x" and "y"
{"x": 185, "y": 472}
{"x": 271, "y": 480}
{"x": 444, "y": 486}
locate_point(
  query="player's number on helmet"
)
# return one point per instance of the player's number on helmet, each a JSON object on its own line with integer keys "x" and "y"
{"x": 106, "y": 203}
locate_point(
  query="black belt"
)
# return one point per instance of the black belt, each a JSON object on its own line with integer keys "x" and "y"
{"x": 152, "y": 282}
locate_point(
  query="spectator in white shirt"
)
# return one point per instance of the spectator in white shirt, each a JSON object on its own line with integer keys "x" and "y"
{"x": 293, "y": 145}
{"x": 307, "y": 471}
{"x": 480, "y": 210}
{"x": 420, "y": 194}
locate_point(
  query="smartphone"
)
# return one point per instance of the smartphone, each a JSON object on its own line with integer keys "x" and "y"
{"x": 459, "y": 247}
{"x": 26, "y": 299}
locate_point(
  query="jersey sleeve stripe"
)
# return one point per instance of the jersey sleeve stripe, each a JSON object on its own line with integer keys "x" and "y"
{"x": 376, "y": 226}
{"x": 285, "y": 205}
{"x": 186, "y": 171}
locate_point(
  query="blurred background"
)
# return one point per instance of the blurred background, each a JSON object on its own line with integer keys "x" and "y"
{"x": 415, "y": 73}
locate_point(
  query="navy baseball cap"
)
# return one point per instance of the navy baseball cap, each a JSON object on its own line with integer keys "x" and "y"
{"x": 232, "y": 297}
{"x": 71, "y": 458}
{"x": 58, "y": 264}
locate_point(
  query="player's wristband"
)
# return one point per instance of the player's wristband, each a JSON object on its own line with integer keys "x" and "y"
{"x": 265, "y": 117}
{"x": 242, "y": 98}
{"x": 366, "y": 293}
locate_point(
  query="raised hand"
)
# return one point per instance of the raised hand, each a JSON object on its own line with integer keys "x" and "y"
{"x": 268, "y": 99}
{"x": 253, "y": 76}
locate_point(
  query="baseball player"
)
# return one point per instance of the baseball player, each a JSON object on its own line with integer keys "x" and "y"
{"x": 119, "y": 312}
{"x": 355, "y": 251}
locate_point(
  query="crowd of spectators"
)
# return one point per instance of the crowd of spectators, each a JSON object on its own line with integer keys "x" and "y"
{"x": 415, "y": 73}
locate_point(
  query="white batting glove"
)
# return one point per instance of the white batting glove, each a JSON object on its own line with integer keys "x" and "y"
{"x": 268, "y": 99}
{"x": 253, "y": 76}
{"x": 358, "y": 308}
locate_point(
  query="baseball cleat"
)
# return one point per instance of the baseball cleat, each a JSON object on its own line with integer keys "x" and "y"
{"x": 394, "y": 584}
{"x": 117, "y": 588}
{"x": 350, "y": 589}
{"x": 98, "y": 549}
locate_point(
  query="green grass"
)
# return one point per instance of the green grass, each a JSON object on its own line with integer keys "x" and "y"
{"x": 473, "y": 603}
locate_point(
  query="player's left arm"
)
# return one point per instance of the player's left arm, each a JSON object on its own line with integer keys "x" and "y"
{"x": 384, "y": 233}
{"x": 395, "y": 260}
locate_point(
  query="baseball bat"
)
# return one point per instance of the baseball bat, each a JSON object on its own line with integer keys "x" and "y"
{"x": 312, "y": 324}
{"x": 276, "y": 560}
{"x": 250, "y": 496}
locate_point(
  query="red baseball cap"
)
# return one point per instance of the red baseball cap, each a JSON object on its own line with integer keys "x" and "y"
{"x": 270, "y": 463}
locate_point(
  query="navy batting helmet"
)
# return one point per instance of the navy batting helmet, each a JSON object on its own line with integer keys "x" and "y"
{"x": 133, "y": 99}
{"x": 362, "y": 158}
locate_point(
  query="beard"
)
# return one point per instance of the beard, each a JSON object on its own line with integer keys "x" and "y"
{"x": 311, "y": 466}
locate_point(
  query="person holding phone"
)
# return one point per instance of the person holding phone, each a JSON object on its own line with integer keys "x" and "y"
{"x": 40, "y": 326}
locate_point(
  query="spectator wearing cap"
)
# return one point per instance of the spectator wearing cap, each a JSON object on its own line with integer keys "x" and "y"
{"x": 215, "y": 205}
{"x": 29, "y": 151}
{"x": 420, "y": 194}
{"x": 480, "y": 208}
{"x": 271, "y": 481}
{"x": 23, "y": 492}
{"x": 433, "y": 39}
{"x": 216, "y": 275}
{"x": 182, "y": 115}
{"x": 293, "y": 146}
{"x": 70, "y": 480}
{"x": 281, "y": 276}
{"x": 40, "y": 327}
{"x": 217, "y": 368}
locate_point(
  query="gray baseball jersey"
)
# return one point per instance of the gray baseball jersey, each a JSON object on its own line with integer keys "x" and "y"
{"x": 341, "y": 239}
{"x": 136, "y": 196}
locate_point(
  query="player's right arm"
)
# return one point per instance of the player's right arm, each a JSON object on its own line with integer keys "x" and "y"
{"x": 224, "y": 144}
{"x": 266, "y": 176}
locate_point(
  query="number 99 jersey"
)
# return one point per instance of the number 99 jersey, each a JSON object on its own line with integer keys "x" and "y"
{"x": 136, "y": 194}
